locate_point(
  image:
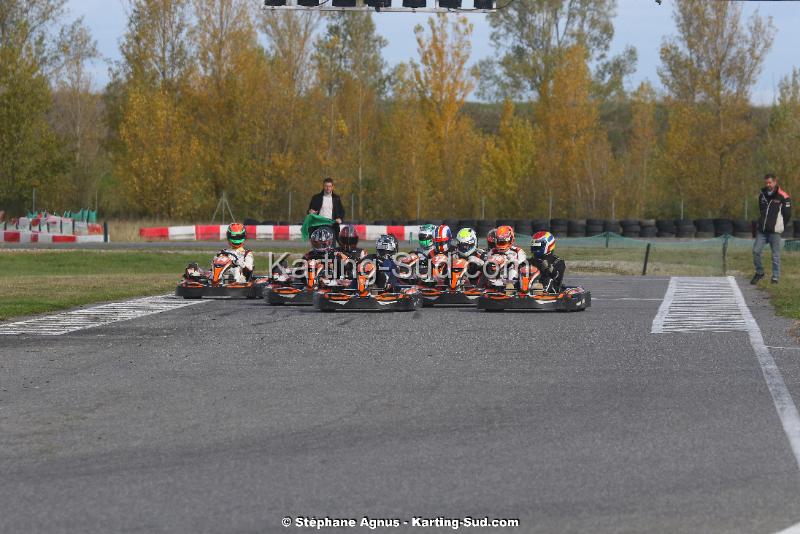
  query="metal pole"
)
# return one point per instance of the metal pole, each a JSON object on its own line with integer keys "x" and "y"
{"x": 614, "y": 208}
{"x": 353, "y": 201}
{"x": 608, "y": 237}
{"x": 646, "y": 259}
{"x": 550, "y": 212}
{"x": 360, "y": 194}
{"x": 290, "y": 208}
{"x": 725, "y": 255}
{"x": 681, "y": 209}
{"x": 418, "y": 205}
{"x": 34, "y": 201}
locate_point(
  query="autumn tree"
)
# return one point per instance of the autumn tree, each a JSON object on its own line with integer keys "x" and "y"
{"x": 509, "y": 180}
{"x": 77, "y": 113}
{"x": 351, "y": 79}
{"x": 33, "y": 156}
{"x": 156, "y": 154}
{"x": 443, "y": 82}
{"x": 574, "y": 156}
{"x": 708, "y": 70}
{"x": 227, "y": 102}
{"x": 783, "y": 135}
{"x": 285, "y": 110}
{"x": 639, "y": 189}
{"x": 532, "y": 35}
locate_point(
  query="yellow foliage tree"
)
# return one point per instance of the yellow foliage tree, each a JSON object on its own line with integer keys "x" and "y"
{"x": 158, "y": 168}
{"x": 443, "y": 81}
{"x": 574, "y": 156}
{"x": 509, "y": 182}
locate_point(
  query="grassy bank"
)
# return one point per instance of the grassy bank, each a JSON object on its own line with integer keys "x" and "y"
{"x": 42, "y": 281}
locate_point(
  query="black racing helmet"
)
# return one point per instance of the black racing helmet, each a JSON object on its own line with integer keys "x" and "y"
{"x": 348, "y": 238}
{"x": 321, "y": 239}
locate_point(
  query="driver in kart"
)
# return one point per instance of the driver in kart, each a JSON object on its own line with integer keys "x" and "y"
{"x": 551, "y": 267}
{"x": 348, "y": 252}
{"x": 244, "y": 260}
{"x": 467, "y": 248}
{"x": 385, "y": 264}
{"x": 417, "y": 262}
{"x": 505, "y": 246}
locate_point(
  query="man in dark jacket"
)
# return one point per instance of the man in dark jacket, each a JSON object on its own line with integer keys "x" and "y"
{"x": 327, "y": 203}
{"x": 776, "y": 212}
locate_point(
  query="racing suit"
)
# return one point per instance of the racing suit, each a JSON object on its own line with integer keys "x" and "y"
{"x": 515, "y": 257}
{"x": 244, "y": 264}
{"x": 347, "y": 261}
{"x": 386, "y": 271}
{"x": 475, "y": 267}
{"x": 419, "y": 261}
{"x": 551, "y": 272}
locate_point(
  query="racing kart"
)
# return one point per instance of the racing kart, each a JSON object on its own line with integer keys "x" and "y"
{"x": 366, "y": 296}
{"x": 298, "y": 291}
{"x": 449, "y": 285}
{"x": 524, "y": 295}
{"x": 220, "y": 281}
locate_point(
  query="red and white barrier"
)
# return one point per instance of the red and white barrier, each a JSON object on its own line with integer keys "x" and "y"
{"x": 53, "y": 224}
{"x": 23, "y": 236}
{"x": 368, "y": 232}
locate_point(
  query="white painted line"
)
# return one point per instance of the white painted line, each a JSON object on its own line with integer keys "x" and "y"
{"x": 783, "y": 348}
{"x": 658, "y": 322}
{"x": 103, "y": 314}
{"x": 794, "y": 529}
{"x": 625, "y": 298}
{"x": 784, "y": 405}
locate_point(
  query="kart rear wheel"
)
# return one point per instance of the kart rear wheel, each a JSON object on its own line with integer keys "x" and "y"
{"x": 193, "y": 297}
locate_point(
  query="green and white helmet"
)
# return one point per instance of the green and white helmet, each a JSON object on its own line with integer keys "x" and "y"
{"x": 466, "y": 242}
{"x": 425, "y": 236}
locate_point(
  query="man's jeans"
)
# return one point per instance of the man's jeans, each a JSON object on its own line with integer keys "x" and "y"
{"x": 774, "y": 241}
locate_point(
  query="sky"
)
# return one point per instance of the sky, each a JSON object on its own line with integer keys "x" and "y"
{"x": 640, "y": 23}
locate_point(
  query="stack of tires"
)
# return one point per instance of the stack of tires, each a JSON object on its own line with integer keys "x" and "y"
{"x": 559, "y": 227}
{"x": 742, "y": 228}
{"x": 594, "y": 227}
{"x": 467, "y": 223}
{"x": 483, "y": 226}
{"x": 723, "y": 227}
{"x": 630, "y": 227}
{"x": 611, "y": 225}
{"x": 705, "y": 228}
{"x": 648, "y": 228}
{"x": 684, "y": 228}
{"x": 797, "y": 229}
{"x": 666, "y": 228}
{"x": 576, "y": 228}
{"x": 540, "y": 225}
{"x": 522, "y": 227}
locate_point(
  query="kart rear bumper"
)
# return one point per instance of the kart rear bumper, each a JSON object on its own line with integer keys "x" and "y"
{"x": 449, "y": 298}
{"x": 571, "y": 299}
{"x": 194, "y": 291}
{"x": 332, "y": 301}
{"x": 278, "y": 296}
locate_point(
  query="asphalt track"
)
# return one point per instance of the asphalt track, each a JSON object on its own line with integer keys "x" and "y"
{"x": 230, "y": 415}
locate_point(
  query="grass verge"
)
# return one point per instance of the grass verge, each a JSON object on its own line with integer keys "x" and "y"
{"x": 37, "y": 281}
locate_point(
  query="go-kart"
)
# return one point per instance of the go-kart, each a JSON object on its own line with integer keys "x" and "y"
{"x": 220, "y": 281}
{"x": 449, "y": 284}
{"x": 366, "y": 296}
{"x": 524, "y": 295}
{"x": 295, "y": 290}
